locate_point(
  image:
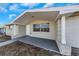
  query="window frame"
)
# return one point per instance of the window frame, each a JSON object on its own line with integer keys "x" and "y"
{"x": 42, "y": 29}
{"x": 35, "y": 29}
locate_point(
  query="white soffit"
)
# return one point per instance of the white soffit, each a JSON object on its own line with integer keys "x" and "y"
{"x": 62, "y": 10}
{"x": 30, "y": 16}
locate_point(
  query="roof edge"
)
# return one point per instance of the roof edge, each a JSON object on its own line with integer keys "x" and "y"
{"x": 48, "y": 9}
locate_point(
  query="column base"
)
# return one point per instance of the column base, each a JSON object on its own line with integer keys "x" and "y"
{"x": 64, "y": 49}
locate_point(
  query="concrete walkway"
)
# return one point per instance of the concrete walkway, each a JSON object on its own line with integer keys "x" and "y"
{"x": 39, "y": 42}
{"x": 3, "y": 43}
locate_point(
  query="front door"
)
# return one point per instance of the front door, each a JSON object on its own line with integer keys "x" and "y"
{"x": 28, "y": 30}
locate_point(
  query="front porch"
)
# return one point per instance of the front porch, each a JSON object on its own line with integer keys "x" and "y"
{"x": 40, "y": 42}
{"x": 45, "y": 25}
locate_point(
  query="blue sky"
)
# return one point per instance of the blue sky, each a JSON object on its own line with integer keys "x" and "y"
{"x": 9, "y": 11}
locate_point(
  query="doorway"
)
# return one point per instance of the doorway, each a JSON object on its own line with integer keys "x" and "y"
{"x": 28, "y": 30}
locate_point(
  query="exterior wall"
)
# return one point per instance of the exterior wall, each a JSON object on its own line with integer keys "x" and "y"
{"x": 18, "y": 31}
{"x": 22, "y": 31}
{"x": 58, "y": 31}
{"x": 47, "y": 35}
{"x": 9, "y": 31}
{"x": 72, "y": 31}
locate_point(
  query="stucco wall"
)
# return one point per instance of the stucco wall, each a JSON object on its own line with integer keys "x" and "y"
{"x": 72, "y": 31}
{"x": 48, "y": 35}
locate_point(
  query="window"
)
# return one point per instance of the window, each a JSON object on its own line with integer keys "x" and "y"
{"x": 36, "y": 27}
{"x": 41, "y": 27}
{"x": 45, "y": 27}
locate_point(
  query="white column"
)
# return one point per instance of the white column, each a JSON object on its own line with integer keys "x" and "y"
{"x": 63, "y": 38}
{"x": 14, "y": 29}
{"x": 61, "y": 42}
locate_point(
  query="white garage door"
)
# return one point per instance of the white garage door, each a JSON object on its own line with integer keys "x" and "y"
{"x": 72, "y": 31}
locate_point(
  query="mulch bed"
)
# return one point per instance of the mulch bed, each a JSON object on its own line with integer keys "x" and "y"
{"x": 22, "y": 49}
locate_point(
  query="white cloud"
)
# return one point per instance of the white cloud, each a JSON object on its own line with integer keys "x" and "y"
{"x": 30, "y": 5}
{"x": 14, "y": 7}
{"x": 12, "y": 15}
{"x": 48, "y": 5}
{"x": 3, "y": 9}
{"x": 70, "y": 4}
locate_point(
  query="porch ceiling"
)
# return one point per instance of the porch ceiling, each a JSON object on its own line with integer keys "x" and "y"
{"x": 30, "y": 16}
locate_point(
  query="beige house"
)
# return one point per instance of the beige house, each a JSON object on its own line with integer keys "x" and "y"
{"x": 60, "y": 24}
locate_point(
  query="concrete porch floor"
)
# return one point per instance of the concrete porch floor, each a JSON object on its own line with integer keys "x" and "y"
{"x": 41, "y": 43}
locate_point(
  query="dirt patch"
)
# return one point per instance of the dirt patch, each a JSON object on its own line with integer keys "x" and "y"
{"x": 21, "y": 49}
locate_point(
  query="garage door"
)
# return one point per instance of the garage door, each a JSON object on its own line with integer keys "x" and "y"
{"x": 72, "y": 31}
